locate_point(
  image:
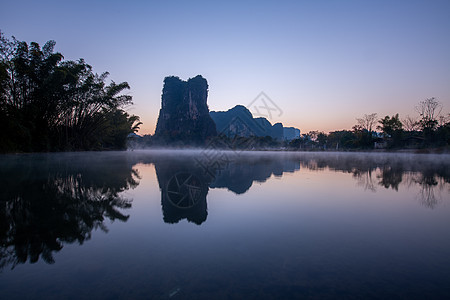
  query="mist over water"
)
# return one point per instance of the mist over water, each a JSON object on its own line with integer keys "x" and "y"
{"x": 187, "y": 224}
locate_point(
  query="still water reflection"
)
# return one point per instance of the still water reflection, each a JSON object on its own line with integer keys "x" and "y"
{"x": 266, "y": 225}
{"x": 51, "y": 200}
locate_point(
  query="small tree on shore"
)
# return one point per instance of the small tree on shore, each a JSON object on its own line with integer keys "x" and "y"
{"x": 367, "y": 122}
{"x": 391, "y": 128}
{"x": 429, "y": 111}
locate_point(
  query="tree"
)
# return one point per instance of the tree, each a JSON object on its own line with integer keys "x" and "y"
{"x": 367, "y": 122}
{"x": 322, "y": 139}
{"x": 295, "y": 143}
{"x": 344, "y": 139}
{"x": 443, "y": 134}
{"x": 390, "y": 125}
{"x": 444, "y": 119}
{"x": 410, "y": 124}
{"x": 429, "y": 111}
{"x": 363, "y": 131}
{"x": 392, "y": 129}
{"x": 312, "y": 134}
{"x": 48, "y": 104}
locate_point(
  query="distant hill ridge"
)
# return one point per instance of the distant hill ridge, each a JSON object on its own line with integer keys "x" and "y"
{"x": 240, "y": 121}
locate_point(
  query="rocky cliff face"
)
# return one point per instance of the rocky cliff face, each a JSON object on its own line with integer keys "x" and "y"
{"x": 184, "y": 114}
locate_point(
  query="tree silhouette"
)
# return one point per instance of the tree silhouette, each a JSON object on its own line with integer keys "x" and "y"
{"x": 50, "y": 104}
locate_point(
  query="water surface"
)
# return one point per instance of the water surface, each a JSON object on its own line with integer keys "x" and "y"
{"x": 224, "y": 225}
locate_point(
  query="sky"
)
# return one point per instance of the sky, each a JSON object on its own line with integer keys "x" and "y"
{"x": 321, "y": 63}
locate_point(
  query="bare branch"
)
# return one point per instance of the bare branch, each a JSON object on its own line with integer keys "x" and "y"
{"x": 367, "y": 122}
{"x": 410, "y": 124}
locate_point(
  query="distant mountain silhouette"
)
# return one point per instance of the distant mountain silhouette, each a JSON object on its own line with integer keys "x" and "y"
{"x": 239, "y": 121}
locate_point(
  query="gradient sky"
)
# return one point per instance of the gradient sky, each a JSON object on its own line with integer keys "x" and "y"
{"x": 324, "y": 63}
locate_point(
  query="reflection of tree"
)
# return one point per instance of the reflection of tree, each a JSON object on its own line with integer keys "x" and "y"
{"x": 432, "y": 173}
{"x": 46, "y": 204}
{"x": 428, "y": 183}
{"x": 427, "y": 196}
{"x": 364, "y": 178}
{"x": 391, "y": 176}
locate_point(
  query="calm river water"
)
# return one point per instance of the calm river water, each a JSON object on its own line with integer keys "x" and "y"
{"x": 224, "y": 225}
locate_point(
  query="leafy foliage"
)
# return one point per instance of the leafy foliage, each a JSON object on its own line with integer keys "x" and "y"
{"x": 392, "y": 129}
{"x": 48, "y": 104}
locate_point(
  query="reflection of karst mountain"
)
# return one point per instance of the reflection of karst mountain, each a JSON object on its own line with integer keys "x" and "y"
{"x": 238, "y": 176}
{"x": 49, "y": 201}
{"x": 184, "y": 187}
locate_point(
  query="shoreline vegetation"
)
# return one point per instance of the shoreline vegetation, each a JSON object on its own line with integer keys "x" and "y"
{"x": 440, "y": 150}
{"x": 48, "y": 104}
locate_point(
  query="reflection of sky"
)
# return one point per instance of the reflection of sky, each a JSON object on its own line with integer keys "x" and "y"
{"x": 324, "y": 64}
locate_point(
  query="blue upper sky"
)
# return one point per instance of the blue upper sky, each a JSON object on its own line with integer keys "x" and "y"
{"x": 324, "y": 63}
